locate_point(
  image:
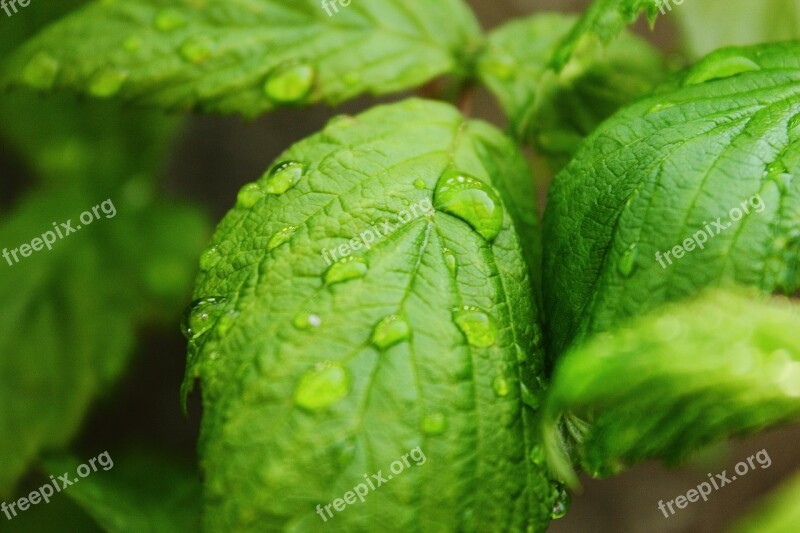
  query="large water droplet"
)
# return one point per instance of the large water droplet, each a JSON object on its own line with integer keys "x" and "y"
{"x": 720, "y": 68}
{"x": 345, "y": 270}
{"x": 290, "y": 82}
{"x": 284, "y": 176}
{"x": 305, "y": 321}
{"x": 434, "y": 424}
{"x": 200, "y": 316}
{"x": 390, "y": 331}
{"x": 41, "y": 71}
{"x": 478, "y": 327}
{"x": 281, "y": 237}
{"x": 323, "y": 386}
{"x": 471, "y": 200}
{"x": 500, "y": 386}
{"x": 249, "y": 195}
{"x": 107, "y": 82}
{"x": 197, "y": 49}
{"x": 210, "y": 258}
{"x": 561, "y": 504}
{"x": 627, "y": 262}
{"x": 169, "y": 19}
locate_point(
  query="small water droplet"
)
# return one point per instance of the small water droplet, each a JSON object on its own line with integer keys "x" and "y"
{"x": 450, "y": 260}
{"x": 200, "y": 316}
{"x": 290, "y": 82}
{"x": 536, "y": 455}
{"x": 471, "y": 200}
{"x": 390, "y": 331}
{"x": 529, "y": 398}
{"x": 249, "y": 195}
{"x": 561, "y": 504}
{"x": 419, "y": 183}
{"x": 341, "y": 121}
{"x": 107, "y": 82}
{"x": 210, "y": 258}
{"x": 434, "y": 424}
{"x": 323, "y": 386}
{"x": 477, "y": 326}
{"x": 500, "y": 386}
{"x": 405, "y": 201}
{"x": 197, "y": 49}
{"x": 132, "y": 44}
{"x": 345, "y": 270}
{"x": 169, "y": 19}
{"x": 284, "y": 176}
{"x": 305, "y": 321}
{"x": 281, "y": 237}
{"x": 715, "y": 69}
{"x": 41, "y": 71}
{"x": 627, "y": 262}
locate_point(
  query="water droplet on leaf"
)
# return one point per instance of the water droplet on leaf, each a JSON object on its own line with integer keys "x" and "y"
{"x": 390, "y": 331}
{"x": 471, "y": 200}
{"x": 321, "y": 387}
{"x": 478, "y": 327}
{"x": 434, "y": 424}
{"x": 200, "y": 316}
{"x": 107, "y": 83}
{"x": 419, "y": 183}
{"x": 561, "y": 505}
{"x": 500, "y": 386}
{"x": 284, "y": 176}
{"x": 627, "y": 262}
{"x": 169, "y": 19}
{"x": 305, "y": 321}
{"x": 345, "y": 270}
{"x": 249, "y": 195}
{"x": 197, "y": 49}
{"x": 41, "y": 71}
{"x": 537, "y": 455}
{"x": 450, "y": 260}
{"x": 210, "y": 258}
{"x": 281, "y": 237}
{"x": 290, "y": 82}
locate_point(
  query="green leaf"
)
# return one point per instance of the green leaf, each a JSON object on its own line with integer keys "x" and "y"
{"x": 557, "y": 110}
{"x": 314, "y": 375}
{"x": 735, "y": 23}
{"x": 710, "y": 158}
{"x": 667, "y": 383}
{"x": 140, "y": 492}
{"x": 780, "y": 513}
{"x": 600, "y": 24}
{"x": 250, "y": 56}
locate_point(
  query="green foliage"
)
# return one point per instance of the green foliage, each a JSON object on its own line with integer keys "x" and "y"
{"x": 306, "y": 349}
{"x": 780, "y": 514}
{"x": 246, "y": 57}
{"x": 665, "y": 384}
{"x": 672, "y": 165}
{"x": 142, "y": 492}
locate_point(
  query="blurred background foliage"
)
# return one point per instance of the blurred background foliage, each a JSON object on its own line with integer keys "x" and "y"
{"x": 90, "y": 349}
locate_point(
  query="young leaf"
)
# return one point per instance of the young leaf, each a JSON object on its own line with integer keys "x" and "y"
{"x": 735, "y": 23}
{"x": 247, "y": 57}
{"x": 141, "y": 492}
{"x": 665, "y": 384}
{"x": 369, "y": 297}
{"x": 600, "y": 24}
{"x": 557, "y": 110}
{"x": 689, "y": 188}
{"x": 780, "y": 513}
